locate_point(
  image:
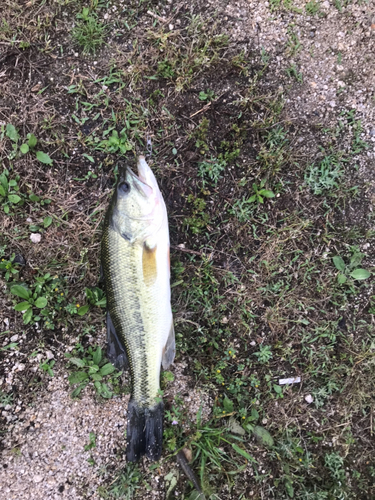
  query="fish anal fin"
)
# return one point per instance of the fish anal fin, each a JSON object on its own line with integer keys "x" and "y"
{"x": 115, "y": 350}
{"x": 149, "y": 266}
{"x": 169, "y": 349}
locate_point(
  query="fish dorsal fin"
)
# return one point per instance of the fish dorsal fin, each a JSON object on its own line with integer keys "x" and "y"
{"x": 149, "y": 266}
{"x": 169, "y": 350}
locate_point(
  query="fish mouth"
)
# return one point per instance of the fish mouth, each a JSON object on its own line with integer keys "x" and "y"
{"x": 142, "y": 168}
{"x": 140, "y": 183}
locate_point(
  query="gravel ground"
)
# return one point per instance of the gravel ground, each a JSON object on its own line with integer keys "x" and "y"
{"x": 44, "y": 449}
{"x": 44, "y": 454}
{"x": 50, "y": 461}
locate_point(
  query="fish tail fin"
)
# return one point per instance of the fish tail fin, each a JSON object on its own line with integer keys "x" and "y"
{"x": 144, "y": 431}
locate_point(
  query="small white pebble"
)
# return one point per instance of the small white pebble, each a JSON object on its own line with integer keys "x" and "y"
{"x": 35, "y": 237}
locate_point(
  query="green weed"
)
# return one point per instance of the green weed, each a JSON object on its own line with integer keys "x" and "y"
{"x": 293, "y": 44}
{"x": 47, "y": 293}
{"x": 212, "y": 170}
{"x": 173, "y": 60}
{"x": 324, "y": 177}
{"x": 264, "y": 354}
{"x": 200, "y": 133}
{"x": 31, "y": 300}
{"x": 116, "y": 142}
{"x": 29, "y": 146}
{"x": 95, "y": 297}
{"x": 93, "y": 368}
{"x": 265, "y": 56}
{"x": 8, "y": 191}
{"x": 112, "y": 136}
{"x": 351, "y": 269}
{"x": 47, "y": 366}
{"x": 216, "y": 451}
{"x": 12, "y": 345}
{"x": 8, "y": 267}
{"x": 5, "y": 398}
{"x": 335, "y": 463}
{"x": 92, "y": 442}
{"x": 274, "y": 154}
{"x": 199, "y": 219}
{"x": 260, "y": 193}
{"x": 209, "y": 95}
{"x": 243, "y": 209}
{"x": 292, "y": 71}
{"x": 357, "y": 144}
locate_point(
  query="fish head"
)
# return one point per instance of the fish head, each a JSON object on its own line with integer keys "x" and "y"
{"x": 138, "y": 208}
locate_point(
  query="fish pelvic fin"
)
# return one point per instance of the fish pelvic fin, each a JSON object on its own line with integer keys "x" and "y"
{"x": 144, "y": 431}
{"x": 169, "y": 350}
{"x": 115, "y": 349}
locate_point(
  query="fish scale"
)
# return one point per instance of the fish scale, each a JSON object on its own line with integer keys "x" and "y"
{"x": 118, "y": 267}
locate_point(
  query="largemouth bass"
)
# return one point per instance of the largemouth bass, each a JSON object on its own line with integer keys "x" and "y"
{"x": 140, "y": 333}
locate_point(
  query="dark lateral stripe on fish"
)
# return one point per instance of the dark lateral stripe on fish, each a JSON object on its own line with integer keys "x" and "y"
{"x": 149, "y": 267}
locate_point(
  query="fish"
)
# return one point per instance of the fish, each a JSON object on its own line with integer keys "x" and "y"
{"x": 136, "y": 270}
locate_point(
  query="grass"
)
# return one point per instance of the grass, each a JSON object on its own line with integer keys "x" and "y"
{"x": 124, "y": 486}
{"x": 271, "y": 275}
{"x": 312, "y": 8}
{"x": 89, "y": 32}
{"x": 292, "y": 71}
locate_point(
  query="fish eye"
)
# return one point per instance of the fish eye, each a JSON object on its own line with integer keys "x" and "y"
{"x": 124, "y": 187}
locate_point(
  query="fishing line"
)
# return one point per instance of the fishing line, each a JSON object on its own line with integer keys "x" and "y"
{"x": 148, "y": 133}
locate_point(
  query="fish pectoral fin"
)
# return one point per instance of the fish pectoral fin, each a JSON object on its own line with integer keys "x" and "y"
{"x": 169, "y": 350}
{"x": 115, "y": 349}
